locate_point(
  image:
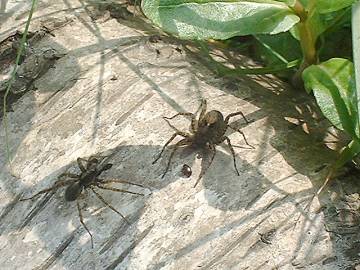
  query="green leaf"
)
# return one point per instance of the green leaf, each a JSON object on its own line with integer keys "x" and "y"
{"x": 347, "y": 154}
{"x": 335, "y": 93}
{"x": 319, "y": 23}
{"x": 204, "y": 19}
{"x": 316, "y": 24}
{"x": 290, "y": 3}
{"x": 325, "y": 6}
{"x": 276, "y": 50}
{"x": 280, "y": 48}
{"x": 294, "y": 31}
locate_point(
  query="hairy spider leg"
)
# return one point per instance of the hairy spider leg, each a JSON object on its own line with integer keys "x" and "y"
{"x": 176, "y": 146}
{"x": 56, "y": 186}
{"x": 183, "y": 134}
{"x": 235, "y": 114}
{"x": 212, "y": 147}
{"x": 181, "y": 113}
{"x": 174, "y": 128}
{"x": 101, "y": 181}
{"x": 117, "y": 189}
{"x": 82, "y": 223}
{"x": 236, "y": 129}
{"x": 192, "y": 116}
{"x": 243, "y": 135}
{"x": 232, "y": 152}
{"x": 200, "y": 106}
{"x": 203, "y": 107}
{"x": 195, "y": 122}
{"x": 108, "y": 205}
{"x": 80, "y": 162}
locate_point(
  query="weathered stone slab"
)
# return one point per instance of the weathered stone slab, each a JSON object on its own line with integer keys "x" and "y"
{"x": 108, "y": 94}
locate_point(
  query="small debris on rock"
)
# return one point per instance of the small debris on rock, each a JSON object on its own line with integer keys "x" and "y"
{"x": 186, "y": 170}
{"x": 267, "y": 236}
{"x": 154, "y": 38}
{"x": 114, "y": 78}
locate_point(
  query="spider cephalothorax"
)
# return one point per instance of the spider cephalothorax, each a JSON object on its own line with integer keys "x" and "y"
{"x": 206, "y": 131}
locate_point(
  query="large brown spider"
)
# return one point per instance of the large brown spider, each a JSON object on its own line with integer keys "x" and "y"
{"x": 88, "y": 178}
{"x": 207, "y": 131}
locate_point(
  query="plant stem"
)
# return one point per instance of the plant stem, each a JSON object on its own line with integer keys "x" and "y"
{"x": 307, "y": 39}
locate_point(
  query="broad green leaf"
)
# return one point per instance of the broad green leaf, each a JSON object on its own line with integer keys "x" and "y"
{"x": 277, "y": 49}
{"x": 316, "y": 24}
{"x": 282, "y": 47}
{"x": 319, "y": 23}
{"x": 325, "y": 6}
{"x": 204, "y": 19}
{"x": 290, "y": 3}
{"x": 335, "y": 93}
{"x": 355, "y": 22}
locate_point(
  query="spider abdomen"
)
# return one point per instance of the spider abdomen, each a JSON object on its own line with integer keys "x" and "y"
{"x": 73, "y": 191}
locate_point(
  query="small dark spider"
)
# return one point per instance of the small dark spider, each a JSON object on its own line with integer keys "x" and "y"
{"x": 88, "y": 178}
{"x": 207, "y": 131}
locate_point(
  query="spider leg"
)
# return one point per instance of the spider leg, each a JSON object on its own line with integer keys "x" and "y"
{"x": 82, "y": 163}
{"x": 243, "y": 135}
{"x": 202, "y": 108}
{"x": 232, "y": 153}
{"x": 176, "y": 146}
{"x": 117, "y": 189}
{"x": 193, "y": 125}
{"x": 118, "y": 181}
{"x": 82, "y": 223}
{"x": 178, "y": 114}
{"x": 174, "y": 128}
{"x": 108, "y": 205}
{"x": 69, "y": 175}
{"x": 56, "y": 186}
{"x": 235, "y": 114}
{"x": 169, "y": 141}
{"x": 212, "y": 147}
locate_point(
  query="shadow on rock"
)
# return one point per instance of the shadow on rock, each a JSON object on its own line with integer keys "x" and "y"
{"x": 54, "y": 223}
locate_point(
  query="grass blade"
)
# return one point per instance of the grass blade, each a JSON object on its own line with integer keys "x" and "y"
{"x": 19, "y": 53}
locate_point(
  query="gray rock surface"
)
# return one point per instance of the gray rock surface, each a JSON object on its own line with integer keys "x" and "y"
{"x": 108, "y": 94}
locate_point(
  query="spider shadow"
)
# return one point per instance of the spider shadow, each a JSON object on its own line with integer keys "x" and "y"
{"x": 251, "y": 192}
{"x": 298, "y": 132}
{"x": 54, "y": 222}
{"x": 233, "y": 192}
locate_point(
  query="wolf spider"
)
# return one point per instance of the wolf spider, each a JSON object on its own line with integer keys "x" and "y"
{"x": 88, "y": 178}
{"x": 207, "y": 131}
